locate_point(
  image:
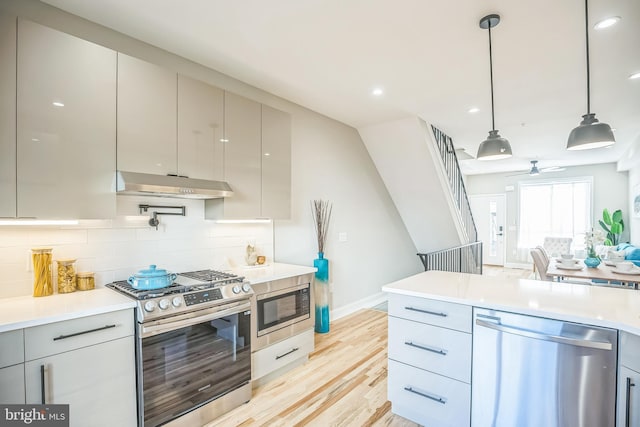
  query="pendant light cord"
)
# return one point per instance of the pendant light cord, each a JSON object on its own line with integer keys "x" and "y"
{"x": 586, "y": 33}
{"x": 493, "y": 124}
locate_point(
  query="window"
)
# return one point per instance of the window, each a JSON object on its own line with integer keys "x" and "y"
{"x": 558, "y": 209}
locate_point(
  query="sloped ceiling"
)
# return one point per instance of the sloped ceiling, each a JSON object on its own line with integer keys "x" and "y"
{"x": 430, "y": 56}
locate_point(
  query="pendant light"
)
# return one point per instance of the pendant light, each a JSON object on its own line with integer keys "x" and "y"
{"x": 590, "y": 133}
{"x": 494, "y": 147}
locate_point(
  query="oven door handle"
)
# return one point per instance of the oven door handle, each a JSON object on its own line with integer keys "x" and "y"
{"x": 150, "y": 330}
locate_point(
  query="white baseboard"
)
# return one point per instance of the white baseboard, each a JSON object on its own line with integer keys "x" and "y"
{"x": 523, "y": 266}
{"x": 367, "y": 302}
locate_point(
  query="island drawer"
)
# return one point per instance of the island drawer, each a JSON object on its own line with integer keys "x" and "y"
{"x": 11, "y": 348}
{"x": 440, "y": 350}
{"x": 58, "y": 337}
{"x": 433, "y": 312}
{"x": 427, "y": 398}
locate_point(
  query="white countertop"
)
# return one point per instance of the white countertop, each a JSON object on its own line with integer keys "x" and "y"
{"x": 595, "y": 305}
{"x": 27, "y": 311}
{"x": 272, "y": 271}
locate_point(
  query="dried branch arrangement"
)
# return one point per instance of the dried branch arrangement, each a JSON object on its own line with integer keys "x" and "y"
{"x": 321, "y": 211}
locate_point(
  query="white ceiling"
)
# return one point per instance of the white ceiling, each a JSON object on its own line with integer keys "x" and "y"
{"x": 430, "y": 56}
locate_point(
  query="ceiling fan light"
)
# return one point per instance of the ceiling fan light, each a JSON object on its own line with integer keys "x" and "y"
{"x": 494, "y": 147}
{"x": 590, "y": 134}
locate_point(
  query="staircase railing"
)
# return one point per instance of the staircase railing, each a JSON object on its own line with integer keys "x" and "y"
{"x": 452, "y": 169}
{"x": 461, "y": 259}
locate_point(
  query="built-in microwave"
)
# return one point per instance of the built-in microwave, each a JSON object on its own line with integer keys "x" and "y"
{"x": 282, "y": 308}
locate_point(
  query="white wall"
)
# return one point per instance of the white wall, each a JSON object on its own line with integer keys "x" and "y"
{"x": 609, "y": 191}
{"x": 329, "y": 161}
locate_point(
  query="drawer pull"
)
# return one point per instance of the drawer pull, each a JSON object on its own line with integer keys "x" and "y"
{"x": 287, "y": 353}
{"x": 441, "y": 351}
{"x": 434, "y": 313}
{"x": 435, "y": 397}
{"x": 627, "y": 415}
{"x": 62, "y": 337}
{"x": 43, "y": 388}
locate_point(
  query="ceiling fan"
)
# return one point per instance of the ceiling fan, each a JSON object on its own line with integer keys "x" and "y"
{"x": 535, "y": 170}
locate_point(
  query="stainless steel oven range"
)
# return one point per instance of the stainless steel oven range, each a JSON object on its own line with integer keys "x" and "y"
{"x": 282, "y": 308}
{"x": 193, "y": 348}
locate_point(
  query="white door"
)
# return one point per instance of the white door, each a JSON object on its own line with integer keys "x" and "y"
{"x": 489, "y": 215}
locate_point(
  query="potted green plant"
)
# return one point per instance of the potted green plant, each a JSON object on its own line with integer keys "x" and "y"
{"x": 613, "y": 225}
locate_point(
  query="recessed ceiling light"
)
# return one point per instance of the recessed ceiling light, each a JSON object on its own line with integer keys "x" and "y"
{"x": 473, "y": 110}
{"x": 606, "y": 23}
{"x": 58, "y": 104}
{"x": 634, "y": 76}
{"x": 267, "y": 154}
{"x": 377, "y": 91}
{"x": 35, "y": 139}
{"x": 224, "y": 140}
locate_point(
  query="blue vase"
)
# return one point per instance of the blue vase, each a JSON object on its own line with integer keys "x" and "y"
{"x": 322, "y": 293}
{"x": 592, "y": 262}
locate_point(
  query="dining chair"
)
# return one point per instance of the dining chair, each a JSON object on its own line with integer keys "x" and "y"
{"x": 541, "y": 262}
{"x": 556, "y": 246}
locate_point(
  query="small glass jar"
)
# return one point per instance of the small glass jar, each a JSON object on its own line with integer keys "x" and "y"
{"x": 66, "y": 276}
{"x": 42, "y": 275}
{"x": 85, "y": 281}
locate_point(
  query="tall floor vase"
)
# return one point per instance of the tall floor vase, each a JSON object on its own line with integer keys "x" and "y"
{"x": 322, "y": 293}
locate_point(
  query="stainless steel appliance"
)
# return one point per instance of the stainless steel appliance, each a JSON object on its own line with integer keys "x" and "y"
{"x": 281, "y": 308}
{"x": 193, "y": 347}
{"x": 531, "y": 371}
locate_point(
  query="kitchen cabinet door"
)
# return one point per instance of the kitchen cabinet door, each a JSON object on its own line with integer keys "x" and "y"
{"x": 12, "y": 384}
{"x": 628, "y": 388}
{"x": 97, "y": 382}
{"x": 147, "y": 103}
{"x": 276, "y": 163}
{"x": 242, "y": 161}
{"x": 66, "y": 125}
{"x": 7, "y": 116}
{"x": 200, "y": 129}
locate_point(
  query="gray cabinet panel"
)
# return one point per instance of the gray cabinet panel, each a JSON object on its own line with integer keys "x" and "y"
{"x": 65, "y": 125}
{"x": 200, "y": 129}
{"x": 147, "y": 102}
{"x": 12, "y": 384}
{"x": 7, "y": 116}
{"x": 276, "y": 163}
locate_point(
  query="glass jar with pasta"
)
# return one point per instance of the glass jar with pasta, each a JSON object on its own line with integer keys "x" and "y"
{"x": 85, "y": 281}
{"x": 42, "y": 277}
{"x": 66, "y": 276}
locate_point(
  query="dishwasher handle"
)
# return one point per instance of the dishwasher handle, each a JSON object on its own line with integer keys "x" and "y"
{"x": 600, "y": 345}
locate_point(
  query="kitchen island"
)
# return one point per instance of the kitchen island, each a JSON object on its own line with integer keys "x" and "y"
{"x": 433, "y": 340}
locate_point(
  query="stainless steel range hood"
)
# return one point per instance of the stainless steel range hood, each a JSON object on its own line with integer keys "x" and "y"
{"x": 170, "y": 186}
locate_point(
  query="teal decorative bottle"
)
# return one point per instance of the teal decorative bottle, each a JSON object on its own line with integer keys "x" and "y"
{"x": 322, "y": 293}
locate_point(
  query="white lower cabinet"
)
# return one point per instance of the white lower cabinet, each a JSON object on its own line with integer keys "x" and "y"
{"x": 628, "y": 405}
{"x": 87, "y": 363}
{"x": 430, "y": 347}
{"x": 281, "y": 354}
{"x": 12, "y": 384}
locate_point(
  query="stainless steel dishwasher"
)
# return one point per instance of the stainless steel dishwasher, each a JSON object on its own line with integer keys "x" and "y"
{"x": 531, "y": 372}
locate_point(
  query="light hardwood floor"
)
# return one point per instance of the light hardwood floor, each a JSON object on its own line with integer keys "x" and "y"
{"x": 344, "y": 383}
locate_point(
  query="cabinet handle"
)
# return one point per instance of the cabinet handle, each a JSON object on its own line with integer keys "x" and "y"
{"x": 43, "y": 387}
{"x": 627, "y": 419}
{"x": 435, "y": 313}
{"x": 287, "y": 353}
{"x": 62, "y": 337}
{"x": 441, "y": 351}
{"x": 435, "y": 397}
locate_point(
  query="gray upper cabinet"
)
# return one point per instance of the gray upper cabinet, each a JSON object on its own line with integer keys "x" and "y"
{"x": 7, "y": 115}
{"x": 242, "y": 160}
{"x": 147, "y": 118}
{"x": 200, "y": 129}
{"x": 276, "y": 163}
{"x": 66, "y": 125}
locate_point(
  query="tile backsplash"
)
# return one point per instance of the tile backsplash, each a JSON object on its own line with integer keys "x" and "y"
{"x": 115, "y": 249}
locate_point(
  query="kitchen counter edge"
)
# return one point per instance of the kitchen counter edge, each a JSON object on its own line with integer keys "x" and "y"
{"x": 27, "y": 311}
{"x": 271, "y": 272}
{"x": 589, "y": 304}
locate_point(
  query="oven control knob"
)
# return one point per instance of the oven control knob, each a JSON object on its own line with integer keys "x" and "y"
{"x": 163, "y": 304}
{"x": 149, "y": 306}
{"x": 236, "y": 289}
{"x": 246, "y": 287}
{"x": 176, "y": 301}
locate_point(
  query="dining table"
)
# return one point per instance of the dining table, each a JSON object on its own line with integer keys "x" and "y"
{"x": 605, "y": 273}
